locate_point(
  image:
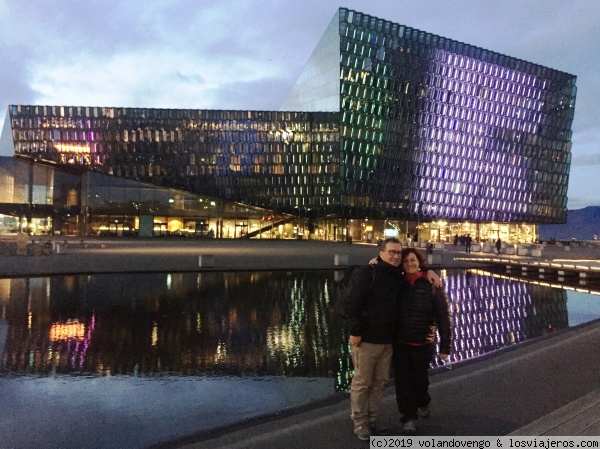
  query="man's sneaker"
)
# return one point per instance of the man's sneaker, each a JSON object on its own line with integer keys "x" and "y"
{"x": 378, "y": 429}
{"x": 423, "y": 412}
{"x": 410, "y": 427}
{"x": 363, "y": 432}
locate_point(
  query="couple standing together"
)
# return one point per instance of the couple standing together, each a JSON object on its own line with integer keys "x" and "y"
{"x": 392, "y": 312}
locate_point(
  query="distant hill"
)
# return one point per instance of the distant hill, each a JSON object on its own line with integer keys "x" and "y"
{"x": 582, "y": 224}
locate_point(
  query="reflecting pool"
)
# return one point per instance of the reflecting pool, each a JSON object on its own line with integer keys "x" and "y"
{"x": 236, "y": 324}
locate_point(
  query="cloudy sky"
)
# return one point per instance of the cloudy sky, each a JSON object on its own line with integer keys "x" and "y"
{"x": 246, "y": 54}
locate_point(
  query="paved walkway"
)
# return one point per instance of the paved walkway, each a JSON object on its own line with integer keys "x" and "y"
{"x": 547, "y": 387}
{"x": 580, "y": 417}
{"x": 550, "y": 386}
{"x": 159, "y": 255}
{"x": 181, "y": 255}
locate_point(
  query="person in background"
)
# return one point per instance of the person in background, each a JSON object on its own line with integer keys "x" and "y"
{"x": 498, "y": 245}
{"x": 422, "y": 310}
{"x": 468, "y": 242}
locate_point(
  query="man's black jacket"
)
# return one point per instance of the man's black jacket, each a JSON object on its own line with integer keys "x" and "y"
{"x": 370, "y": 308}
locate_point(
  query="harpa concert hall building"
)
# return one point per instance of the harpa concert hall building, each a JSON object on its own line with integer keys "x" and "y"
{"x": 388, "y": 130}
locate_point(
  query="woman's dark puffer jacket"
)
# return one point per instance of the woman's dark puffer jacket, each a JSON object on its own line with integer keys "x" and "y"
{"x": 421, "y": 309}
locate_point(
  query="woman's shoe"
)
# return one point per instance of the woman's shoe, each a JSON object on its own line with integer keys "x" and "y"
{"x": 410, "y": 427}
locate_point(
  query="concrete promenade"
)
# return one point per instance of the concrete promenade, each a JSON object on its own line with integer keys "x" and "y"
{"x": 116, "y": 255}
{"x": 180, "y": 255}
{"x": 549, "y": 386}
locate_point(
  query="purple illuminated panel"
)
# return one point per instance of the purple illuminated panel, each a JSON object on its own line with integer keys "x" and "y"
{"x": 433, "y": 128}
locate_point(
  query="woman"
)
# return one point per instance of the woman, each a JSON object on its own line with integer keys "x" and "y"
{"x": 422, "y": 309}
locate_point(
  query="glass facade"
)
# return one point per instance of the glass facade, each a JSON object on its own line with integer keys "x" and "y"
{"x": 34, "y": 196}
{"x": 40, "y": 198}
{"x": 434, "y": 128}
{"x": 284, "y": 161}
{"x": 421, "y": 129}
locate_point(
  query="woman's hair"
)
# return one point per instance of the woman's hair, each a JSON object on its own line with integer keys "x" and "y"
{"x": 418, "y": 255}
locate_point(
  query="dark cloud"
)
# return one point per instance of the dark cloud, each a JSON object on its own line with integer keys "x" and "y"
{"x": 194, "y": 79}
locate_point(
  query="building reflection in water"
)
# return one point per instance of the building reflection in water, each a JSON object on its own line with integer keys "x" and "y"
{"x": 234, "y": 323}
{"x": 490, "y": 313}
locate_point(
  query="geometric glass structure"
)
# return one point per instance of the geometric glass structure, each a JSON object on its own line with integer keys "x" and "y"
{"x": 278, "y": 160}
{"x": 432, "y": 128}
{"x": 388, "y": 122}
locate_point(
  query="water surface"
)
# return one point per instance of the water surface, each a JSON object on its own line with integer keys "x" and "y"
{"x": 242, "y": 323}
{"x": 95, "y": 361}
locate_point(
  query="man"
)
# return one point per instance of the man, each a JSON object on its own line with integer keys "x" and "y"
{"x": 370, "y": 310}
{"x": 468, "y": 242}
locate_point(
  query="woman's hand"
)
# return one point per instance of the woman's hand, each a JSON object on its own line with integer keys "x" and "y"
{"x": 373, "y": 261}
{"x": 444, "y": 356}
